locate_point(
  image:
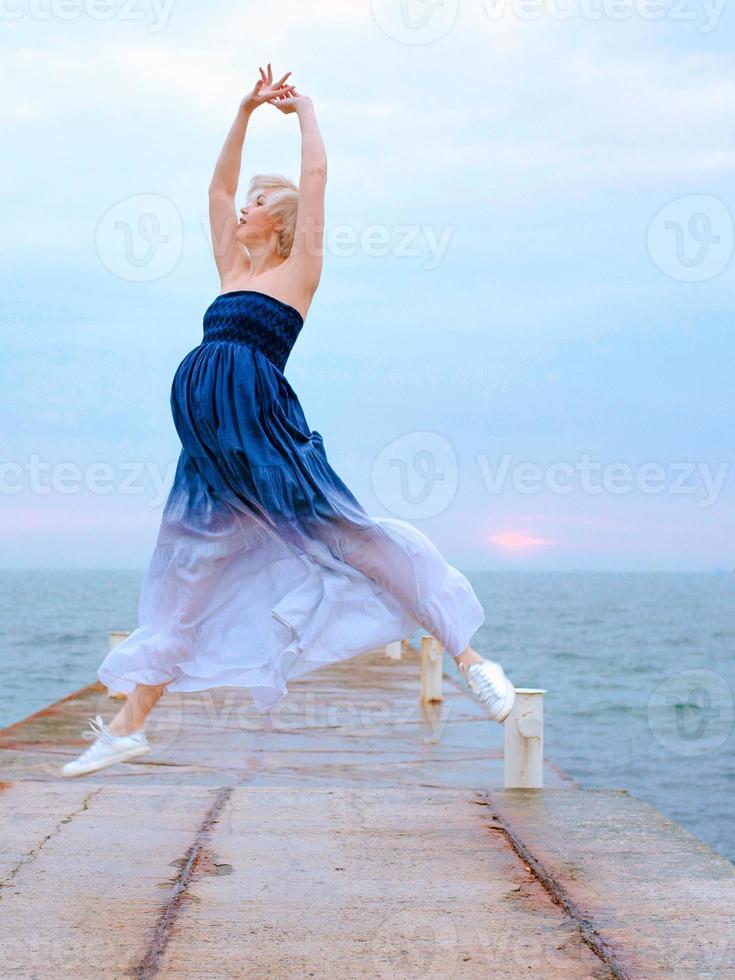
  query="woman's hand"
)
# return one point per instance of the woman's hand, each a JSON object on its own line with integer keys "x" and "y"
{"x": 266, "y": 89}
{"x": 290, "y": 101}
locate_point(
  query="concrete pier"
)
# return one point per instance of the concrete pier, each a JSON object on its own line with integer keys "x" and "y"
{"x": 353, "y": 833}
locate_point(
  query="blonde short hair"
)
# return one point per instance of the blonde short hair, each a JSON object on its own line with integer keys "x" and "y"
{"x": 282, "y": 205}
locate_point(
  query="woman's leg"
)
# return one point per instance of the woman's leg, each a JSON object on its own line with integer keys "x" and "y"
{"x": 406, "y": 563}
{"x": 468, "y": 656}
{"x": 175, "y": 598}
{"x": 138, "y": 705}
{"x": 401, "y": 559}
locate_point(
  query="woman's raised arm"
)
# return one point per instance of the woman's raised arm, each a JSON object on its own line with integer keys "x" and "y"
{"x": 223, "y": 187}
{"x": 306, "y": 257}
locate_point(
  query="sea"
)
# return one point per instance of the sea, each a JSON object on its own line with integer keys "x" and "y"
{"x": 638, "y": 669}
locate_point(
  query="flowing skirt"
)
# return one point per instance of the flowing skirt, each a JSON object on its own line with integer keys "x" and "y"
{"x": 266, "y": 566}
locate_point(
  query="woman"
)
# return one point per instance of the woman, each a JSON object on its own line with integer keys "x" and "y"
{"x": 266, "y": 565}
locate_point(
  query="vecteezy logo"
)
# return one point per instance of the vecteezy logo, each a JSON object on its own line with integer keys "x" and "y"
{"x": 691, "y": 712}
{"x": 415, "y": 942}
{"x": 415, "y": 21}
{"x": 691, "y": 238}
{"x": 140, "y": 239}
{"x": 416, "y": 475}
{"x": 163, "y": 726}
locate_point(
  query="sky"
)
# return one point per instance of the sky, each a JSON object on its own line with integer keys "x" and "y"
{"x": 522, "y": 341}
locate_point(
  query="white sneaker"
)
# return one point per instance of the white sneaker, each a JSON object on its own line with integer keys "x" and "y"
{"x": 488, "y": 683}
{"x": 106, "y": 749}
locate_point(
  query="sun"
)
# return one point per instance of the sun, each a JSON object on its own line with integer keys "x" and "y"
{"x": 511, "y": 539}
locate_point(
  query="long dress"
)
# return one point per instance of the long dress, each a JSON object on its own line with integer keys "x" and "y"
{"x": 265, "y": 564}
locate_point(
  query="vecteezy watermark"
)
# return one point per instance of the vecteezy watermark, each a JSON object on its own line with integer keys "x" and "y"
{"x": 153, "y": 13}
{"x": 590, "y": 476}
{"x": 163, "y": 726}
{"x": 416, "y": 475}
{"x": 400, "y": 241}
{"x": 706, "y": 13}
{"x": 374, "y": 241}
{"x": 691, "y": 712}
{"x": 140, "y": 238}
{"x": 304, "y": 710}
{"x": 39, "y": 476}
{"x": 54, "y": 949}
{"x": 422, "y": 942}
{"x": 425, "y": 21}
{"x": 691, "y": 239}
{"x": 415, "y": 21}
{"x": 416, "y": 942}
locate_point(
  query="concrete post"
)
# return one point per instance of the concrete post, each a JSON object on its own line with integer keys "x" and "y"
{"x": 524, "y": 740}
{"x": 113, "y": 638}
{"x": 431, "y": 669}
{"x": 394, "y": 650}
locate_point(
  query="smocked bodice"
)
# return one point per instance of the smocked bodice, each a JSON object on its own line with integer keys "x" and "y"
{"x": 262, "y": 322}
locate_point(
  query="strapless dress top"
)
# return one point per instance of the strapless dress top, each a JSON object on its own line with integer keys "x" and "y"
{"x": 256, "y": 319}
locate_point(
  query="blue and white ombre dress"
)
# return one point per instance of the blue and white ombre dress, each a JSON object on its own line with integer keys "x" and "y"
{"x": 265, "y": 565}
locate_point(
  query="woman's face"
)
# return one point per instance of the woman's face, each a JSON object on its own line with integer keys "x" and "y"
{"x": 254, "y": 222}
